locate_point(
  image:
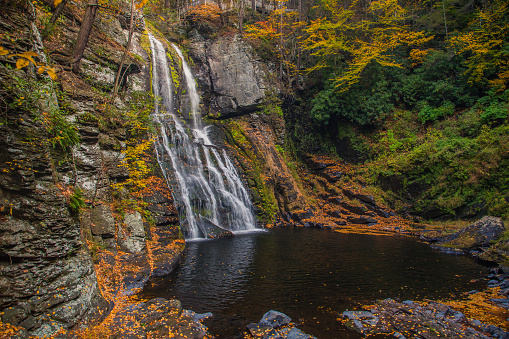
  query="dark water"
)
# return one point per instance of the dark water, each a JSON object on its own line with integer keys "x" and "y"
{"x": 311, "y": 275}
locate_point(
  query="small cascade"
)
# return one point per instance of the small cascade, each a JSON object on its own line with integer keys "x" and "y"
{"x": 210, "y": 195}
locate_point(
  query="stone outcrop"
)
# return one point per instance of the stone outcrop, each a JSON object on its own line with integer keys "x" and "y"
{"x": 475, "y": 237}
{"x": 233, "y": 79}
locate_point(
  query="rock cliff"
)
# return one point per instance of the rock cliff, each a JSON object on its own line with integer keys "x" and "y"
{"x": 233, "y": 80}
{"x": 68, "y": 217}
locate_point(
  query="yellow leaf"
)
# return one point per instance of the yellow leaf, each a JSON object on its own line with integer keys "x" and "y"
{"x": 51, "y": 72}
{"x": 141, "y": 4}
{"x": 29, "y": 53}
{"x": 56, "y": 2}
{"x": 41, "y": 69}
{"x": 22, "y": 63}
{"x": 3, "y": 51}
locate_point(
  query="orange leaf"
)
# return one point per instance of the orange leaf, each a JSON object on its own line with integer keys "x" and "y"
{"x": 56, "y": 2}
{"x": 3, "y": 51}
{"x": 41, "y": 69}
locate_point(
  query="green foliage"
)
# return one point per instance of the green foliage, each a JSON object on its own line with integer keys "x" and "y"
{"x": 392, "y": 143}
{"x": 432, "y": 114}
{"x": 494, "y": 112}
{"x": 364, "y": 102}
{"x": 435, "y": 88}
{"x": 448, "y": 169}
{"x": 271, "y": 104}
{"x": 48, "y": 104}
{"x": 280, "y": 149}
{"x": 76, "y": 200}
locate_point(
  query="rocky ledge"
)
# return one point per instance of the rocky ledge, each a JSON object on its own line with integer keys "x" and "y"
{"x": 409, "y": 319}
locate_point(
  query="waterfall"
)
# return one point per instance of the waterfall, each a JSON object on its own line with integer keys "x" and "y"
{"x": 208, "y": 190}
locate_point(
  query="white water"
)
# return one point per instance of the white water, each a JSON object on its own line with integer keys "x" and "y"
{"x": 207, "y": 187}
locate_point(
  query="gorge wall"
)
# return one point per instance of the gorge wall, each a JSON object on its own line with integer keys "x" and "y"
{"x": 68, "y": 218}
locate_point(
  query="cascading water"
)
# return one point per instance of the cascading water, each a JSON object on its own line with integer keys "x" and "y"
{"x": 209, "y": 193}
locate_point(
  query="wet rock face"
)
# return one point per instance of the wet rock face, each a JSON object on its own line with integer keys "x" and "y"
{"x": 229, "y": 72}
{"x": 46, "y": 277}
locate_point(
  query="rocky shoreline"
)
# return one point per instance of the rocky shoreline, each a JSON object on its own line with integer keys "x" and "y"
{"x": 409, "y": 319}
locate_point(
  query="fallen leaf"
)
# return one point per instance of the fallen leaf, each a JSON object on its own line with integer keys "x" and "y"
{"x": 22, "y": 63}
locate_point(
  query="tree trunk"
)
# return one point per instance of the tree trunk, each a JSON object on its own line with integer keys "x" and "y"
{"x": 83, "y": 35}
{"x": 253, "y": 5}
{"x": 56, "y": 14}
{"x": 445, "y": 20}
{"x": 241, "y": 17}
{"x": 126, "y": 51}
{"x": 281, "y": 41}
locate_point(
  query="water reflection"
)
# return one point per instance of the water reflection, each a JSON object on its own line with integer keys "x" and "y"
{"x": 216, "y": 271}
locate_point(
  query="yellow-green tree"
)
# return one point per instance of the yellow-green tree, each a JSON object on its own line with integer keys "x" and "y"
{"x": 351, "y": 39}
{"x": 486, "y": 45}
{"x": 279, "y": 34}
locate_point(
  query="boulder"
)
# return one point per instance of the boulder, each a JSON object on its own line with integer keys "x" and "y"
{"x": 434, "y": 320}
{"x": 275, "y": 319}
{"x": 477, "y": 235}
{"x": 276, "y": 325}
{"x": 302, "y": 214}
{"x": 361, "y": 210}
{"x": 295, "y": 333}
{"x": 102, "y": 222}
{"x": 237, "y": 80}
{"x": 211, "y": 230}
{"x": 259, "y": 329}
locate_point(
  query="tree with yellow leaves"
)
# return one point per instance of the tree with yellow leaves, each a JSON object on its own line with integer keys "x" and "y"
{"x": 340, "y": 37}
{"x": 279, "y": 33}
{"x": 486, "y": 45}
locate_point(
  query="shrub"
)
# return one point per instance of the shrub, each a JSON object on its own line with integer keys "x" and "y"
{"x": 430, "y": 114}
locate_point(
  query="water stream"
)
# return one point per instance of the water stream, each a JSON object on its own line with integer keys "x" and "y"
{"x": 208, "y": 190}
